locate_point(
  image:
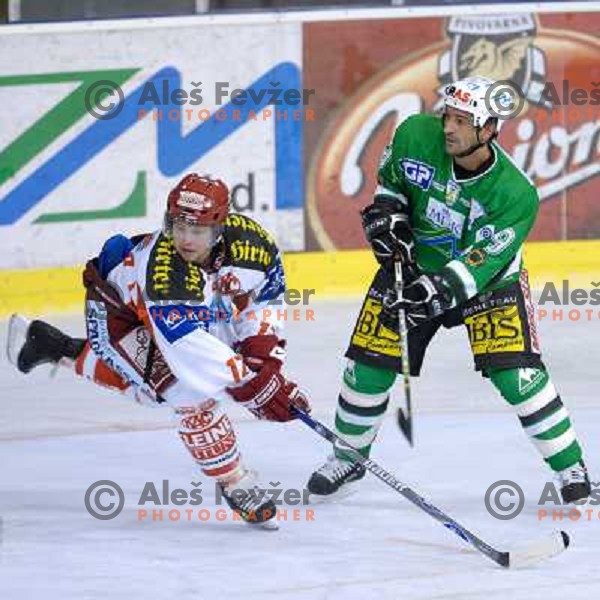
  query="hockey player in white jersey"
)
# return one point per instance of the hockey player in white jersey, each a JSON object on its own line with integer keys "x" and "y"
{"x": 183, "y": 316}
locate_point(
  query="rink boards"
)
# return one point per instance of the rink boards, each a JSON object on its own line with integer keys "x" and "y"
{"x": 333, "y": 274}
{"x": 300, "y": 152}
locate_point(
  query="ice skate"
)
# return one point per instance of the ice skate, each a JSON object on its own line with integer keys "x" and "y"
{"x": 334, "y": 479}
{"x": 247, "y": 497}
{"x": 575, "y": 484}
{"x": 34, "y": 343}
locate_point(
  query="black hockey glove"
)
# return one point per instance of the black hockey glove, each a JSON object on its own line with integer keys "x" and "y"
{"x": 426, "y": 298}
{"x": 388, "y": 231}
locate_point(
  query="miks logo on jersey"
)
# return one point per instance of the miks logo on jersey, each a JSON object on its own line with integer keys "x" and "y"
{"x": 418, "y": 173}
{"x": 443, "y": 216}
{"x": 387, "y": 88}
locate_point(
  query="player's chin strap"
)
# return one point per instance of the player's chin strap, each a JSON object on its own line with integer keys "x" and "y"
{"x": 479, "y": 143}
{"x": 472, "y": 148}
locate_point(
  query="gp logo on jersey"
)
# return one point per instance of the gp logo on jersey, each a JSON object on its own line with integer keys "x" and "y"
{"x": 418, "y": 173}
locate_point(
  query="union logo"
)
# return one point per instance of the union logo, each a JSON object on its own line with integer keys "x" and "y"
{"x": 558, "y": 152}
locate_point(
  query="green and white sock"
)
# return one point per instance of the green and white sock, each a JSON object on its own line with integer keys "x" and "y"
{"x": 541, "y": 412}
{"x": 363, "y": 400}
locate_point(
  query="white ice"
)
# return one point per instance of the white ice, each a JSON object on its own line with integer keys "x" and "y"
{"x": 59, "y": 435}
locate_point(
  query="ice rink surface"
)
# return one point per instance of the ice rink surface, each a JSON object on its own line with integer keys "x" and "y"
{"x": 59, "y": 435}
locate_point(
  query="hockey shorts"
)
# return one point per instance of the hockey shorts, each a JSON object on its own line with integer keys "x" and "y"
{"x": 120, "y": 338}
{"x": 501, "y": 328}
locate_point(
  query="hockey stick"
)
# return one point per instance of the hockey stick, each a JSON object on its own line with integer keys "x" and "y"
{"x": 404, "y": 420}
{"x": 547, "y": 548}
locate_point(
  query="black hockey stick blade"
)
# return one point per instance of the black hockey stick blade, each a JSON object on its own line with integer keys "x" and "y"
{"x": 404, "y": 419}
{"x": 405, "y": 425}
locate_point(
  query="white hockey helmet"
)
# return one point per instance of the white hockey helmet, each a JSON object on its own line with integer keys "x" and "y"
{"x": 471, "y": 95}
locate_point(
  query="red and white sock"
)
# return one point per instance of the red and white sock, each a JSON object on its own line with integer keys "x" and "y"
{"x": 209, "y": 436}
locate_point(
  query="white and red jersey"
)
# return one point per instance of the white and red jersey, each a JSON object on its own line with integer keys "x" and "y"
{"x": 197, "y": 315}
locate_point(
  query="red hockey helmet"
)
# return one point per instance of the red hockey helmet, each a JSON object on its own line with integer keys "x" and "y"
{"x": 199, "y": 200}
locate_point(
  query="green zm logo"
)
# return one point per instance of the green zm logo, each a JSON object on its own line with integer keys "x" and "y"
{"x": 176, "y": 152}
{"x": 48, "y": 128}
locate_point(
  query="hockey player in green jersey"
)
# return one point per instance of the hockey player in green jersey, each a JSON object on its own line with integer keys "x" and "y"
{"x": 453, "y": 208}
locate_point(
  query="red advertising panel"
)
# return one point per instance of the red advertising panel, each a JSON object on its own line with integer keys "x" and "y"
{"x": 371, "y": 75}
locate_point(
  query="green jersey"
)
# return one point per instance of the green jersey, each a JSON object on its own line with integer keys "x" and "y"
{"x": 470, "y": 231}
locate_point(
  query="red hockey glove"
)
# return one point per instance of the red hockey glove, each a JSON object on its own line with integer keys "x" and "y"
{"x": 268, "y": 395}
{"x": 261, "y": 350}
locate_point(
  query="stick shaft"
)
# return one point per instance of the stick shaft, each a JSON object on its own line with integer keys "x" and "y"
{"x": 497, "y": 556}
{"x": 404, "y": 420}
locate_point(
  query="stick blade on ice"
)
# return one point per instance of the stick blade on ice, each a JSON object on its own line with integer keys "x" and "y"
{"x": 540, "y": 550}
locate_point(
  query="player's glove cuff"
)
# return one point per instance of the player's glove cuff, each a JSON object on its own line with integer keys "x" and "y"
{"x": 388, "y": 231}
{"x": 426, "y": 298}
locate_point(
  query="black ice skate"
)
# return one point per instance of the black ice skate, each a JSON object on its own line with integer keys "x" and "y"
{"x": 575, "y": 483}
{"x": 35, "y": 343}
{"x": 247, "y": 498}
{"x": 336, "y": 473}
